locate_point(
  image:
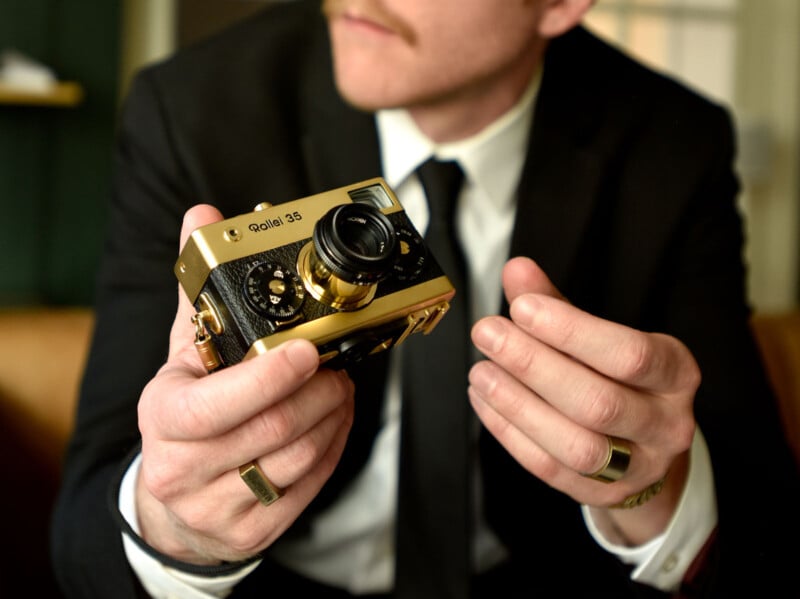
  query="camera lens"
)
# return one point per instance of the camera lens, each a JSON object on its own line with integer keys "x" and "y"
{"x": 356, "y": 242}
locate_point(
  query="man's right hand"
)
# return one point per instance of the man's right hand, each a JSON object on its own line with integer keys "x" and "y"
{"x": 277, "y": 408}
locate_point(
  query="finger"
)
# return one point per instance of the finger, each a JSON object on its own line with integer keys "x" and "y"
{"x": 285, "y": 466}
{"x": 523, "y": 275}
{"x": 527, "y": 452}
{"x": 657, "y": 363}
{"x": 285, "y": 421}
{"x": 574, "y": 446}
{"x": 257, "y": 527}
{"x": 295, "y": 460}
{"x": 182, "y": 333}
{"x": 582, "y": 394}
{"x": 531, "y": 455}
{"x": 186, "y": 408}
{"x": 198, "y": 216}
{"x": 542, "y": 464}
{"x": 228, "y": 517}
{"x": 194, "y": 464}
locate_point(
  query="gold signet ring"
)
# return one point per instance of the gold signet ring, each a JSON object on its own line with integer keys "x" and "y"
{"x": 259, "y": 484}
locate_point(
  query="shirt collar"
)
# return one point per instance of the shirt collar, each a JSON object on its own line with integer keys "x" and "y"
{"x": 492, "y": 159}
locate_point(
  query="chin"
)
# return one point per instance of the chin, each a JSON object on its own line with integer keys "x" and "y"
{"x": 368, "y": 92}
{"x": 373, "y": 78}
{"x": 366, "y": 99}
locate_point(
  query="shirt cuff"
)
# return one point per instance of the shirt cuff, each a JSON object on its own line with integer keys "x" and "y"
{"x": 663, "y": 562}
{"x": 158, "y": 579}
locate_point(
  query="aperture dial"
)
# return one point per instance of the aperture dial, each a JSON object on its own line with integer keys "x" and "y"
{"x": 411, "y": 256}
{"x": 274, "y": 291}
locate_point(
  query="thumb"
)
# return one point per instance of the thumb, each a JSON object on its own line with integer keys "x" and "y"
{"x": 182, "y": 334}
{"x": 522, "y": 275}
{"x": 197, "y": 216}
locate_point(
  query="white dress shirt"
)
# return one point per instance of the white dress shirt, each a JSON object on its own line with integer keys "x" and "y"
{"x": 351, "y": 543}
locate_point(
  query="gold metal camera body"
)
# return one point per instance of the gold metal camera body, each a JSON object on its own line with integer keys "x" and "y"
{"x": 345, "y": 269}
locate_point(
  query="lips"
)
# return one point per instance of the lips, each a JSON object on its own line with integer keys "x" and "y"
{"x": 367, "y": 22}
{"x": 367, "y": 15}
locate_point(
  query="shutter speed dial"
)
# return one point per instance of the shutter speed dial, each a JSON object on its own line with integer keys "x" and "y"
{"x": 274, "y": 291}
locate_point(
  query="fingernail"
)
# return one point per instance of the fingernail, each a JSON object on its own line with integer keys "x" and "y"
{"x": 524, "y": 309}
{"x": 302, "y": 355}
{"x": 488, "y": 335}
{"x": 481, "y": 379}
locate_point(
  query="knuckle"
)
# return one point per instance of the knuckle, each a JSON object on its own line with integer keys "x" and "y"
{"x": 277, "y": 423}
{"x": 194, "y": 414}
{"x": 247, "y": 540}
{"x": 524, "y": 358}
{"x": 508, "y": 403}
{"x": 601, "y": 406}
{"x": 518, "y": 354}
{"x": 196, "y": 520}
{"x": 587, "y": 456}
{"x": 546, "y": 466}
{"x": 636, "y": 358}
{"x": 683, "y": 435}
{"x": 515, "y": 405}
{"x": 306, "y": 452}
{"x": 310, "y": 449}
{"x": 502, "y": 428}
{"x": 159, "y": 479}
{"x": 691, "y": 375}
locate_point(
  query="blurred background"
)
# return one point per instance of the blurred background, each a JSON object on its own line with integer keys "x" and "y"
{"x": 64, "y": 68}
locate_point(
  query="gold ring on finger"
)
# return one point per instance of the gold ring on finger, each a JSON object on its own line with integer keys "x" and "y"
{"x": 259, "y": 484}
{"x": 617, "y": 461}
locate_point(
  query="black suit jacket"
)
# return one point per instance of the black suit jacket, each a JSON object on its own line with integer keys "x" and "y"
{"x": 627, "y": 201}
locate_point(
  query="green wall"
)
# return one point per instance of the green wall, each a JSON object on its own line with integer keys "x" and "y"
{"x": 55, "y": 163}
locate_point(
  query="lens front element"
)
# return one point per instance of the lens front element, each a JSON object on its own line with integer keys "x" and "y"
{"x": 354, "y": 247}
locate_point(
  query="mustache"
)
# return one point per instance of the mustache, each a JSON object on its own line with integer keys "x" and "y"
{"x": 372, "y": 12}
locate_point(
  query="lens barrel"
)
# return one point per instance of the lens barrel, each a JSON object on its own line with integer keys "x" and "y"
{"x": 356, "y": 242}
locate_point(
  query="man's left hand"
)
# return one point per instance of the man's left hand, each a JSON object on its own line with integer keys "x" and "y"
{"x": 559, "y": 381}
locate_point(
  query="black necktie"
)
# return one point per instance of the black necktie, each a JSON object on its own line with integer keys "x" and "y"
{"x": 433, "y": 540}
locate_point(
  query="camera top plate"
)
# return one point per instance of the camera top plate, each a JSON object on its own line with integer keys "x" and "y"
{"x": 268, "y": 228}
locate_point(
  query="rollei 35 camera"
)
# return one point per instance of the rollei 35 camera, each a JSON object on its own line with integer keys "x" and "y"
{"x": 344, "y": 269}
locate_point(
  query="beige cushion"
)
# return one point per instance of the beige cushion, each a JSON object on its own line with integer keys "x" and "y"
{"x": 42, "y": 356}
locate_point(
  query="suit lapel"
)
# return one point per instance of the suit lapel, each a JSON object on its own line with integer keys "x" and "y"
{"x": 557, "y": 191}
{"x": 340, "y": 143}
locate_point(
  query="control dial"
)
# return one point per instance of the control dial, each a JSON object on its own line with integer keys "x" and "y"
{"x": 274, "y": 291}
{"x": 412, "y": 255}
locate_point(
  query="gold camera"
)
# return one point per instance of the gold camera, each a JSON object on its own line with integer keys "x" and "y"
{"x": 345, "y": 269}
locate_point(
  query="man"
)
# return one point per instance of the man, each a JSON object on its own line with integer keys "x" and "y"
{"x": 612, "y": 189}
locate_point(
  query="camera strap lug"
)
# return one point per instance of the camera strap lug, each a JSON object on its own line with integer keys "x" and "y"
{"x": 203, "y": 344}
{"x": 423, "y": 321}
